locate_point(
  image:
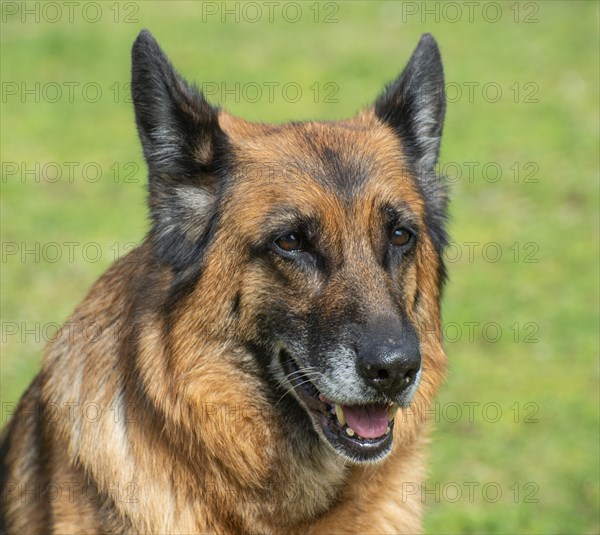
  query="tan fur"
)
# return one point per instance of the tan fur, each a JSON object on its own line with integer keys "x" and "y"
{"x": 187, "y": 443}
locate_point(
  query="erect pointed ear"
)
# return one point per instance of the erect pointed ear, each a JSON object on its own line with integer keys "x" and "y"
{"x": 177, "y": 126}
{"x": 414, "y": 105}
{"x": 182, "y": 140}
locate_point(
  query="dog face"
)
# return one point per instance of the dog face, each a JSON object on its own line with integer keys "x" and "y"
{"x": 329, "y": 236}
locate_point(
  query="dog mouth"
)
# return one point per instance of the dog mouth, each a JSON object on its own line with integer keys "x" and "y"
{"x": 362, "y": 433}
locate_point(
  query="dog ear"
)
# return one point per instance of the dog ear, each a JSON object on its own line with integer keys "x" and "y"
{"x": 414, "y": 106}
{"x": 176, "y": 124}
{"x": 415, "y": 103}
{"x": 182, "y": 140}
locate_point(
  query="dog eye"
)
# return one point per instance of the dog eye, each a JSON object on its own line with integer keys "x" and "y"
{"x": 290, "y": 242}
{"x": 401, "y": 237}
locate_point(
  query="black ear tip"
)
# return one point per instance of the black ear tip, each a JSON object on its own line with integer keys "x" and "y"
{"x": 145, "y": 36}
{"x": 427, "y": 42}
{"x": 145, "y": 40}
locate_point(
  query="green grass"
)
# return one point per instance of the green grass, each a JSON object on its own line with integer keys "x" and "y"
{"x": 553, "y": 302}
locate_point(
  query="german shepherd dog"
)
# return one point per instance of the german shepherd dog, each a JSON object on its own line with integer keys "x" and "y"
{"x": 264, "y": 361}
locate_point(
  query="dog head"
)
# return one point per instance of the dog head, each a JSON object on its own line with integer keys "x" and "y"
{"x": 315, "y": 246}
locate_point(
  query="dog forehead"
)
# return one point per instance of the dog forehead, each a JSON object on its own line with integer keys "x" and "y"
{"x": 350, "y": 161}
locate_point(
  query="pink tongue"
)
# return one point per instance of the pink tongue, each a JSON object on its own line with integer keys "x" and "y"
{"x": 369, "y": 421}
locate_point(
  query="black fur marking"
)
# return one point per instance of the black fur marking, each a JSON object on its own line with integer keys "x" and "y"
{"x": 235, "y": 305}
{"x": 341, "y": 169}
{"x": 435, "y": 220}
{"x": 401, "y": 215}
{"x": 263, "y": 357}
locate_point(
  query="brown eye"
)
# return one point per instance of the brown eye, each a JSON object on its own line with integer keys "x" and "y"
{"x": 290, "y": 242}
{"x": 400, "y": 237}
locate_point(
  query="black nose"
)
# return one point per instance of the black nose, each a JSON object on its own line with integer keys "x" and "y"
{"x": 389, "y": 362}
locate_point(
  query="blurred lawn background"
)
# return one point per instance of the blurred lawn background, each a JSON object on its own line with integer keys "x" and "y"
{"x": 541, "y": 370}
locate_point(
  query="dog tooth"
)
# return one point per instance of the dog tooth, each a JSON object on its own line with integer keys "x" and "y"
{"x": 392, "y": 410}
{"x": 349, "y": 431}
{"x": 339, "y": 412}
{"x": 387, "y": 430}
